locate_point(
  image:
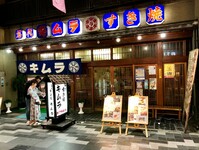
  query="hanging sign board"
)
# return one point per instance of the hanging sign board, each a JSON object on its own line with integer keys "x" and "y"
{"x": 112, "y": 108}
{"x": 138, "y": 109}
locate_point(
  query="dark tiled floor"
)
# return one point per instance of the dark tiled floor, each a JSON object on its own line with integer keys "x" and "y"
{"x": 164, "y": 134}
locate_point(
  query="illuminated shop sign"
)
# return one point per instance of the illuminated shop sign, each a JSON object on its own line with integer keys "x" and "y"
{"x": 50, "y": 96}
{"x": 68, "y": 66}
{"x": 74, "y": 26}
{"x": 111, "y": 21}
{"x": 61, "y": 99}
{"x": 131, "y": 18}
{"x": 20, "y": 34}
{"x": 31, "y": 33}
{"x": 43, "y": 31}
{"x": 91, "y": 24}
{"x": 155, "y": 14}
{"x": 58, "y": 29}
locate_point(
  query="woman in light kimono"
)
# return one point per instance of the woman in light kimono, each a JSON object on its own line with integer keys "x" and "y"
{"x": 34, "y": 103}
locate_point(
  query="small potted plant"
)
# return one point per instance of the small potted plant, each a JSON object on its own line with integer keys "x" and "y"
{"x": 8, "y": 104}
{"x": 81, "y": 105}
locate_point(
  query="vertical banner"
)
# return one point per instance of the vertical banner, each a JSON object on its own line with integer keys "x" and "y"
{"x": 192, "y": 63}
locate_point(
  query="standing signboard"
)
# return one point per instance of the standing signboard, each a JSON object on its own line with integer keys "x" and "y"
{"x": 112, "y": 111}
{"x": 137, "y": 113}
{"x": 192, "y": 63}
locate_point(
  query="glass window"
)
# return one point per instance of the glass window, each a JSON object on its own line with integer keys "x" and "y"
{"x": 47, "y": 56}
{"x": 122, "y": 52}
{"x": 101, "y": 54}
{"x": 62, "y": 55}
{"x": 85, "y": 55}
{"x": 32, "y": 56}
{"x": 173, "y": 48}
{"x": 145, "y": 50}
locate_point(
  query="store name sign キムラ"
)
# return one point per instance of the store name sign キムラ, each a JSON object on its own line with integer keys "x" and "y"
{"x": 67, "y": 66}
{"x": 131, "y": 18}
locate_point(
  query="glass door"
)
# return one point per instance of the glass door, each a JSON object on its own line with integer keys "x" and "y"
{"x": 101, "y": 86}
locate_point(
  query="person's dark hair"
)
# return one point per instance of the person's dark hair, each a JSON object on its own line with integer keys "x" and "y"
{"x": 38, "y": 77}
{"x": 33, "y": 81}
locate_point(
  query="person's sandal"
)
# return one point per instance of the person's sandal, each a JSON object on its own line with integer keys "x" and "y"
{"x": 36, "y": 124}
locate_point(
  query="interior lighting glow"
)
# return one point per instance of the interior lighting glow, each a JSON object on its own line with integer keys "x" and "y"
{"x": 8, "y": 51}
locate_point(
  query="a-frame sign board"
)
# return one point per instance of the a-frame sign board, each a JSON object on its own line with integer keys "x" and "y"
{"x": 112, "y": 112}
{"x": 137, "y": 117}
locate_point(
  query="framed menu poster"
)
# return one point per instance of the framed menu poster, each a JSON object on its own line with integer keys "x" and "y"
{"x": 112, "y": 108}
{"x": 137, "y": 110}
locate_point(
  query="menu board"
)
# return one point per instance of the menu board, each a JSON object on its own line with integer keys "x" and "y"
{"x": 112, "y": 108}
{"x": 137, "y": 109}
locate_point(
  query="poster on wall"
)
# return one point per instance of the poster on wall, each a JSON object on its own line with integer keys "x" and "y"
{"x": 137, "y": 109}
{"x": 146, "y": 84}
{"x": 152, "y": 70}
{"x": 169, "y": 70}
{"x": 139, "y": 74}
{"x": 112, "y": 108}
{"x": 139, "y": 91}
{"x": 152, "y": 83}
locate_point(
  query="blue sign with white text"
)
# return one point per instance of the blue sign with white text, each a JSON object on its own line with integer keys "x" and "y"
{"x": 67, "y": 66}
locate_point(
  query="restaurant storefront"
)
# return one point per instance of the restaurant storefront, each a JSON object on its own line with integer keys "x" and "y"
{"x": 146, "y": 59}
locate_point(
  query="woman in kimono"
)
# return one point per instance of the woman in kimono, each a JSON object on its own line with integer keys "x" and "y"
{"x": 34, "y": 103}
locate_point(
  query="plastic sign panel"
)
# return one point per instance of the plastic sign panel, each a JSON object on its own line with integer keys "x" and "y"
{"x": 74, "y": 26}
{"x": 43, "y": 31}
{"x": 61, "y": 99}
{"x": 137, "y": 109}
{"x": 31, "y": 33}
{"x": 112, "y": 108}
{"x": 155, "y": 14}
{"x": 111, "y": 21}
{"x": 67, "y": 66}
{"x": 20, "y": 34}
{"x": 92, "y": 24}
{"x": 58, "y": 29}
{"x": 131, "y": 18}
{"x": 50, "y": 97}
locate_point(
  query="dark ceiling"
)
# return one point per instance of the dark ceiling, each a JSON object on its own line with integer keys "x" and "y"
{"x": 18, "y": 12}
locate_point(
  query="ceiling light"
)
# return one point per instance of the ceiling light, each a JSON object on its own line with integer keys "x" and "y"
{"x": 118, "y": 40}
{"x": 63, "y": 45}
{"x": 34, "y": 48}
{"x": 98, "y": 41}
{"x": 163, "y": 35}
{"x": 80, "y": 44}
{"x": 20, "y": 49}
{"x": 139, "y": 37}
{"x": 48, "y": 46}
